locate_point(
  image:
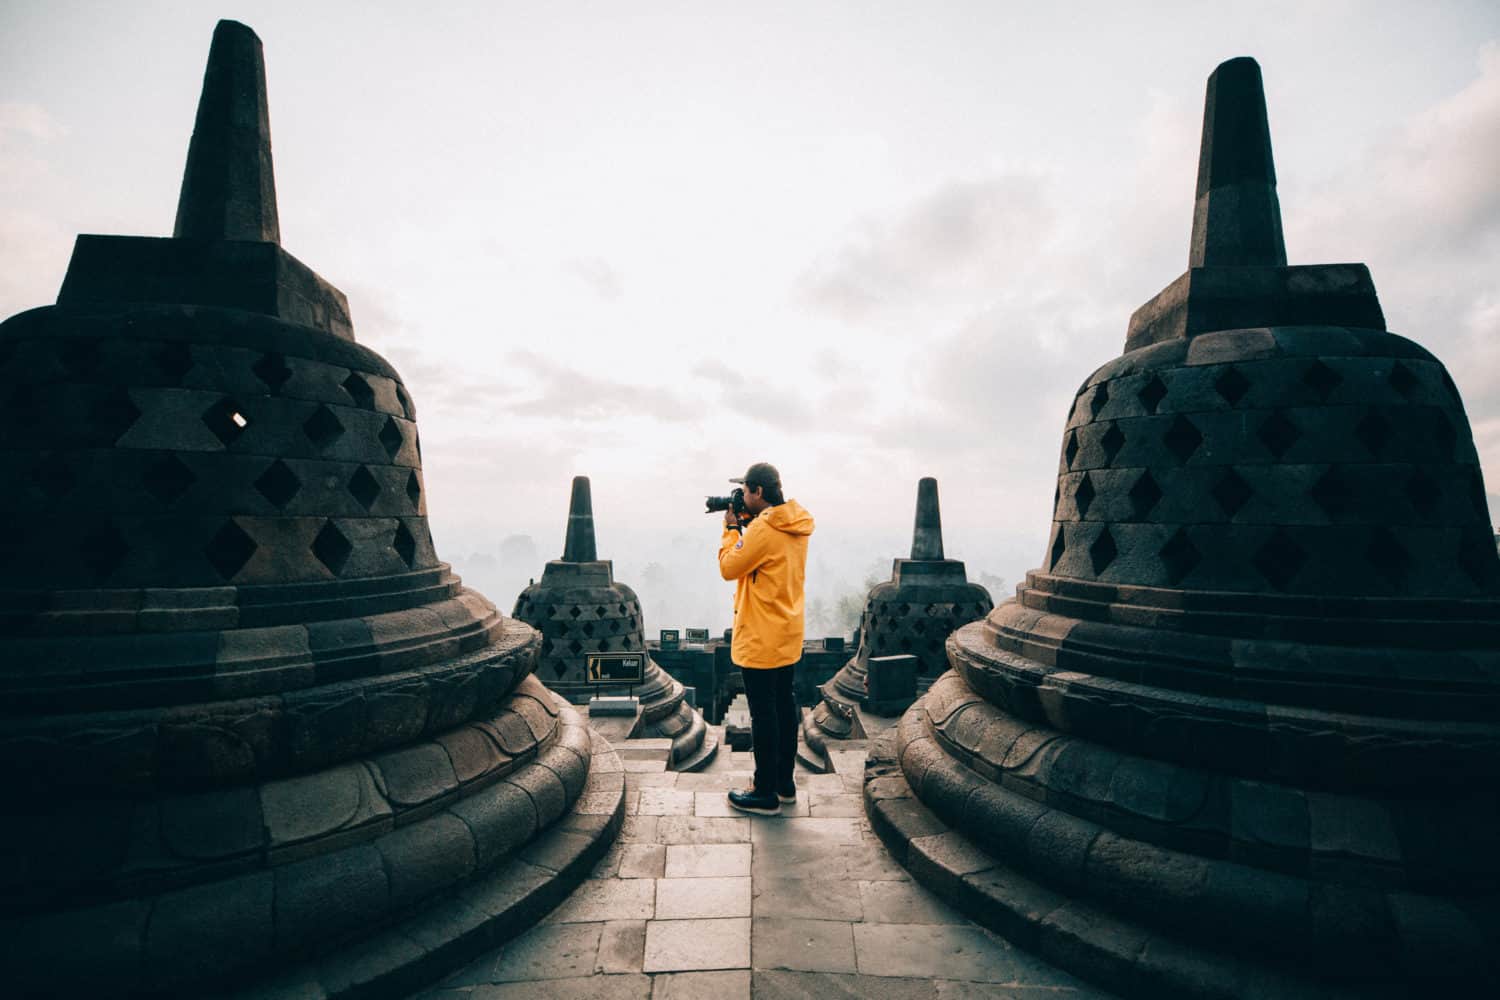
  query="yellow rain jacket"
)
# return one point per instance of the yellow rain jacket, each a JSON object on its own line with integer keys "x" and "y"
{"x": 769, "y": 561}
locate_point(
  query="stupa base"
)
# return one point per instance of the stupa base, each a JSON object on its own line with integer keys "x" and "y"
{"x": 459, "y": 927}
{"x": 1134, "y": 917}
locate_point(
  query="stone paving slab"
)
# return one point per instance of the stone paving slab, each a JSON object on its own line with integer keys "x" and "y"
{"x": 687, "y": 945}
{"x": 803, "y": 906}
{"x": 691, "y": 898}
{"x": 806, "y": 945}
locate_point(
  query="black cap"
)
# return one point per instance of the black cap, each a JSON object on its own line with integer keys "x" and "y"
{"x": 760, "y": 474}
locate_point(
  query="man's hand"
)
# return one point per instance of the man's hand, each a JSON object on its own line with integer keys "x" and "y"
{"x": 731, "y": 520}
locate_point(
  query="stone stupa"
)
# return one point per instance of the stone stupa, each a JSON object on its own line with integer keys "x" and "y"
{"x": 258, "y": 737}
{"x": 1240, "y": 735}
{"x": 580, "y": 609}
{"x": 913, "y": 612}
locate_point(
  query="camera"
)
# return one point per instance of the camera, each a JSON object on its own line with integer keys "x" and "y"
{"x": 734, "y": 501}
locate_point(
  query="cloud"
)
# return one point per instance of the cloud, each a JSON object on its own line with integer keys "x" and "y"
{"x": 550, "y": 389}
{"x": 597, "y": 275}
{"x": 31, "y": 121}
{"x": 962, "y": 236}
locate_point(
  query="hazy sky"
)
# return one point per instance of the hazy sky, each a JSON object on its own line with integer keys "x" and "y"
{"x": 653, "y": 242}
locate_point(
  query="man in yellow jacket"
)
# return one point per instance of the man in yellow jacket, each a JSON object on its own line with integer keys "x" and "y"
{"x": 765, "y": 553}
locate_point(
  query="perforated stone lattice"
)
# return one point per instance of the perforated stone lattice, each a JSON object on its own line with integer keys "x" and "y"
{"x": 1343, "y": 461}
{"x": 891, "y": 626}
{"x": 572, "y": 630}
{"x": 188, "y": 394}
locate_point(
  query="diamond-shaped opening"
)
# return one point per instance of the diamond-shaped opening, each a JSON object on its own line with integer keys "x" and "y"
{"x": 103, "y": 550}
{"x": 1280, "y": 559}
{"x": 53, "y": 475}
{"x": 227, "y": 420}
{"x": 1103, "y": 551}
{"x": 272, "y": 370}
{"x": 80, "y": 357}
{"x": 278, "y": 483}
{"x": 1152, "y": 393}
{"x": 1101, "y": 396}
{"x": 1278, "y": 434}
{"x": 413, "y": 489}
{"x": 1179, "y": 556}
{"x": 1477, "y": 557}
{"x": 175, "y": 359}
{"x": 600, "y": 611}
{"x": 1402, "y": 379}
{"x": 229, "y": 550}
{"x": 168, "y": 479}
{"x": 1113, "y": 440}
{"x": 323, "y": 428}
{"x": 1083, "y": 496}
{"x": 390, "y": 437}
{"x": 404, "y": 544}
{"x": 575, "y": 647}
{"x": 1332, "y": 493}
{"x": 574, "y": 612}
{"x": 407, "y": 410}
{"x": 1232, "y": 385}
{"x": 332, "y": 548}
{"x": 364, "y": 487}
{"x": 588, "y": 629}
{"x": 1443, "y": 435}
{"x": 113, "y": 412}
{"x": 1374, "y": 432}
{"x": 1182, "y": 438}
{"x": 1232, "y": 492}
{"x": 1321, "y": 379}
{"x": 1423, "y": 493}
{"x": 1070, "y": 450}
{"x": 359, "y": 390}
{"x": 1144, "y": 495}
{"x": 559, "y": 668}
{"x": 1388, "y": 556}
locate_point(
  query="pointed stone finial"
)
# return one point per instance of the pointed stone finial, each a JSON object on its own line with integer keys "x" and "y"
{"x": 1237, "y": 218}
{"x": 228, "y": 187}
{"x": 579, "y": 546}
{"x": 927, "y": 536}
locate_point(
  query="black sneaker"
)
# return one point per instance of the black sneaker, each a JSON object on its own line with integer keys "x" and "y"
{"x": 752, "y": 802}
{"x": 788, "y": 793}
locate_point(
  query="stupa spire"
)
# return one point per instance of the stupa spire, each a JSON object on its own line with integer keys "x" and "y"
{"x": 579, "y": 546}
{"x": 228, "y": 186}
{"x": 927, "y": 535}
{"x": 1237, "y": 217}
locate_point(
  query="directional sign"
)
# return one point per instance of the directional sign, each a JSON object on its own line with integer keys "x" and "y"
{"x": 697, "y": 635}
{"x": 669, "y": 638}
{"x": 616, "y": 668}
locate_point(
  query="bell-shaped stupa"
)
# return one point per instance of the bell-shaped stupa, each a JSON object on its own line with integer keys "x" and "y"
{"x": 912, "y": 613}
{"x": 257, "y": 734}
{"x": 1240, "y": 735}
{"x": 581, "y": 611}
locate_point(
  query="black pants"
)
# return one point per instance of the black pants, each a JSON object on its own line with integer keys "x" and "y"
{"x": 774, "y": 719}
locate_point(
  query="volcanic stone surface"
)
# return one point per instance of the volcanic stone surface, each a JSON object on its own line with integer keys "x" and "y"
{"x": 580, "y": 609}
{"x": 1238, "y": 735}
{"x": 913, "y": 612}
{"x": 249, "y": 719}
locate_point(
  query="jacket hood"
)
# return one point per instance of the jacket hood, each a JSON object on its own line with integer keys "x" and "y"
{"x": 790, "y": 517}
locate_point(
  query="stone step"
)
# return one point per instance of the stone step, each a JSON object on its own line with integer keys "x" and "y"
{"x": 645, "y": 749}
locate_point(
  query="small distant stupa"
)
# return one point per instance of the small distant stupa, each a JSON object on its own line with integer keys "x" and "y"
{"x": 580, "y": 610}
{"x": 913, "y": 612}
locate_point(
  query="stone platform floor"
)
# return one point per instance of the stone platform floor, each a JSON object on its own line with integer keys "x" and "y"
{"x": 697, "y": 901}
